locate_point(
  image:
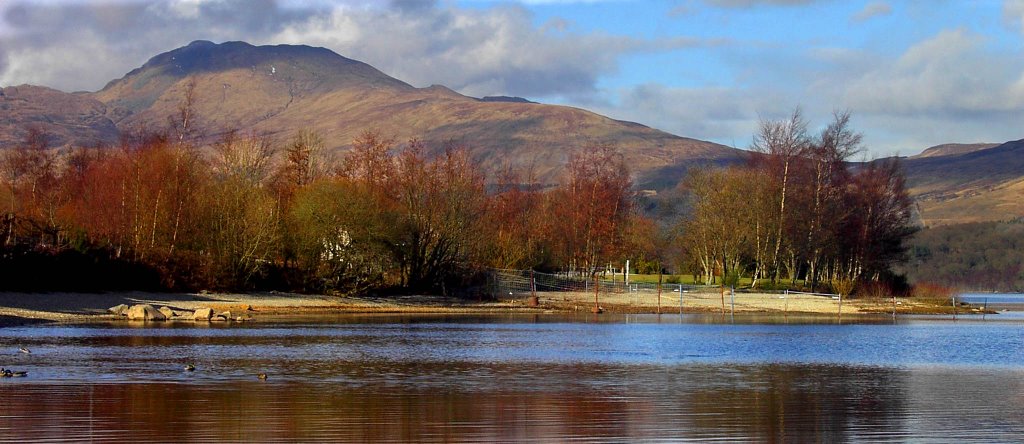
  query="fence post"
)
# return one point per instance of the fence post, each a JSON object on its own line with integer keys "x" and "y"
{"x": 732, "y": 300}
{"x": 597, "y": 289}
{"x": 534, "y": 301}
{"x": 659, "y": 289}
{"x": 954, "y": 307}
{"x": 840, "y": 306}
{"x": 787, "y": 302}
{"x": 680, "y": 300}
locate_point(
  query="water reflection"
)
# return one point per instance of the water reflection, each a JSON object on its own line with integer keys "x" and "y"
{"x": 760, "y": 403}
{"x": 510, "y": 379}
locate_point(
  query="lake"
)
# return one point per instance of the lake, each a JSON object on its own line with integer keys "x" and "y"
{"x": 521, "y": 378}
{"x": 999, "y": 301}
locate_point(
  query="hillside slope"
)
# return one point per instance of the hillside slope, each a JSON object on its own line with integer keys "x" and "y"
{"x": 953, "y": 149}
{"x": 281, "y": 89}
{"x": 64, "y": 118}
{"x": 980, "y": 185}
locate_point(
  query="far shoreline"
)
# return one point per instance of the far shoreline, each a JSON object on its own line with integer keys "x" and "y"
{"x": 69, "y": 307}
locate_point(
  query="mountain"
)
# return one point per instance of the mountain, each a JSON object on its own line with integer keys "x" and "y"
{"x": 977, "y": 184}
{"x": 282, "y": 89}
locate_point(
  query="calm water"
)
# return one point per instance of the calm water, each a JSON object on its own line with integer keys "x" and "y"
{"x": 1002, "y": 301}
{"x": 520, "y": 378}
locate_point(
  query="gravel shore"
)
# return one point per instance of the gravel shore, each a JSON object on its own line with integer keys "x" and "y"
{"x": 22, "y": 308}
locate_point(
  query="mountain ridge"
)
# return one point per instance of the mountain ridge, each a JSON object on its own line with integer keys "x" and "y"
{"x": 280, "y": 89}
{"x": 978, "y": 185}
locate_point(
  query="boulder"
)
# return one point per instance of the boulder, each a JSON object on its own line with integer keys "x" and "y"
{"x": 226, "y": 315}
{"x": 203, "y": 314}
{"x": 168, "y": 313}
{"x": 119, "y": 310}
{"x": 219, "y": 318}
{"x": 145, "y": 312}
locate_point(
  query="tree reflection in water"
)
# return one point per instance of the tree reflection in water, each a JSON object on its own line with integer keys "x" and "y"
{"x": 801, "y": 403}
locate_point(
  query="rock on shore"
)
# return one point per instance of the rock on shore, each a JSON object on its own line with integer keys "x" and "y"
{"x": 145, "y": 312}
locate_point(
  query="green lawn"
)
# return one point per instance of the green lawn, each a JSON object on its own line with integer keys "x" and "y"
{"x": 687, "y": 279}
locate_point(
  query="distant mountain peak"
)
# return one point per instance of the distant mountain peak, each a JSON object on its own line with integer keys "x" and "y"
{"x": 304, "y": 68}
{"x": 954, "y": 149}
{"x": 505, "y": 99}
{"x": 280, "y": 89}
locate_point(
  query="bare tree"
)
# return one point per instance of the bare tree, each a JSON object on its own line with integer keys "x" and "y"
{"x": 781, "y": 143}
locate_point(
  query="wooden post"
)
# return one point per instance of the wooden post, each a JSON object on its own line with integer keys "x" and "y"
{"x": 659, "y": 289}
{"x": 732, "y": 301}
{"x": 534, "y": 301}
{"x": 954, "y": 308}
{"x": 894, "y": 307}
{"x": 840, "y": 306}
{"x": 597, "y": 289}
{"x": 680, "y": 300}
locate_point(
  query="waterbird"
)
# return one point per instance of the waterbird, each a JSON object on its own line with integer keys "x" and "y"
{"x": 25, "y": 350}
{"x": 262, "y": 376}
{"x": 190, "y": 367}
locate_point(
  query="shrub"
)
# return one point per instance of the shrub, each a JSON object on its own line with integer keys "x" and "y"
{"x": 874, "y": 289}
{"x": 930, "y": 290}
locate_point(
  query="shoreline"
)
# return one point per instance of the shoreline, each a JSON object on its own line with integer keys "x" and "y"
{"x": 64, "y": 307}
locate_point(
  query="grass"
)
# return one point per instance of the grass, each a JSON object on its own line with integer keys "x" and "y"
{"x": 688, "y": 279}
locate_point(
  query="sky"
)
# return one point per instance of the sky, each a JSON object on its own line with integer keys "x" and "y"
{"x": 913, "y": 73}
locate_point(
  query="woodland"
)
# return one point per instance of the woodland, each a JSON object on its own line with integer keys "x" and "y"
{"x": 179, "y": 209}
{"x": 980, "y": 256}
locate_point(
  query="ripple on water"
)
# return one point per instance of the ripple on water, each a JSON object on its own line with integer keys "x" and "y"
{"x": 439, "y": 380}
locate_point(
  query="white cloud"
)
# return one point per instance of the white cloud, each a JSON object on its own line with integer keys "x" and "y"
{"x": 493, "y": 51}
{"x": 1013, "y": 12}
{"x": 726, "y": 115}
{"x": 753, "y": 3}
{"x": 949, "y": 73}
{"x": 498, "y": 51}
{"x": 872, "y": 10}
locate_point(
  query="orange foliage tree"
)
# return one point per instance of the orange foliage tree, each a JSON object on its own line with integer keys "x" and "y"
{"x": 589, "y": 212}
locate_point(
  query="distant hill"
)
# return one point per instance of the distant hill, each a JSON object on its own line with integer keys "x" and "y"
{"x": 979, "y": 184}
{"x": 282, "y": 89}
{"x": 952, "y": 149}
{"x": 65, "y": 118}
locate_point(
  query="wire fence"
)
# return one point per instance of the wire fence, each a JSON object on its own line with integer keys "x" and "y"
{"x": 583, "y": 292}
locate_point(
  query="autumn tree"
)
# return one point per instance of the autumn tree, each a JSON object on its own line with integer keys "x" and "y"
{"x": 440, "y": 203}
{"x": 878, "y": 230}
{"x": 589, "y": 212}
{"x": 515, "y": 222}
{"x": 722, "y": 229}
{"x": 342, "y": 237}
{"x": 30, "y": 179}
{"x": 800, "y": 207}
{"x": 242, "y": 215}
{"x": 305, "y": 160}
{"x": 826, "y": 189}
